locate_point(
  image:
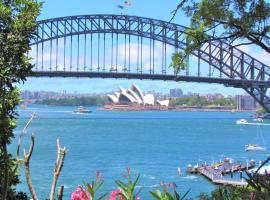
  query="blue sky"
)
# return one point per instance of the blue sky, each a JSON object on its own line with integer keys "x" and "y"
{"x": 157, "y": 9}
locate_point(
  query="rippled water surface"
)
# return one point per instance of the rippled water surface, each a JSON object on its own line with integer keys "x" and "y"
{"x": 152, "y": 143}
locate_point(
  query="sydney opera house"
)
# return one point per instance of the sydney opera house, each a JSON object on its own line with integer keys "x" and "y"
{"x": 133, "y": 98}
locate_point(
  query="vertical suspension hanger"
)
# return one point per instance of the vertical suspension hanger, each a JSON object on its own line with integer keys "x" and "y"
{"x": 138, "y": 49}
{"x": 125, "y": 56}
{"x": 153, "y": 33}
{"x": 65, "y": 31}
{"x": 85, "y": 40}
{"x": 116, "y": 54}
{"x": 141, "y": 48}
{"x": 129, "y": 48}
{"x": 56, "y": 60}
{"x": 42, "y": 49}
{"x": 91, "y": 47}
{"x": 37, "y": 50}
{"x": 112, "y": 67}
{"x": 104, "y": 47}
{"x": 71, "y": 42}
{"x": 51, "y": 49}
{"x": 98, "y": 44}
{"x": 78, "y": 46}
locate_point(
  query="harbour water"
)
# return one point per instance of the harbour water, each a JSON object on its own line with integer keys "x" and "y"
{"x": 152, "y": 143}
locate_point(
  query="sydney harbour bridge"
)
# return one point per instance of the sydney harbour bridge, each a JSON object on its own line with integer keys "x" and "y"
{"x": 120, "y": 46}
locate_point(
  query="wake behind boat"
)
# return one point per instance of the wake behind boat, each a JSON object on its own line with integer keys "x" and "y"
{"x": 254, "y": 147}
{"x": 81, "y": 109}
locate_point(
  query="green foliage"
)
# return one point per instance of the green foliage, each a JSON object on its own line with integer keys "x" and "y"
{"x": 202, "y": 101}
{"x": 227, "y": 193}
{"x": 179, "y": 62}
{"x": 128, "y": 189}
{"x": 17, "y": 28}
{"x": 77, "y": 101}
{"x": 93, "y": 188}
{"x": 166, "y": 195}
{"x": 260, "y": 184}
{"x": 261, "y": 111}
{"x": 235, "y": 22}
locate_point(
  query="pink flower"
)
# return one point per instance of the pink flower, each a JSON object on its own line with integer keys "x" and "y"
{"x": 138, "y": 198}
{"x": 80, "y": 194}
{"x": 116, "y": 193}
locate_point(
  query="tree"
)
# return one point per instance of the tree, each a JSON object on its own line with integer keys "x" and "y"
{"x": 237, "y": 22}
{"x": 17, "y": 28}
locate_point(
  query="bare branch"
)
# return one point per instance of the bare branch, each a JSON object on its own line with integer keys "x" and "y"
{"x": 174, "y": 12}
{"x": 22, "y": 133}
{"x": 27, "y": 158}
{"x": 60, "y": 192}
{"x": 61, "y": 153}
{"x": 241, "y": 44}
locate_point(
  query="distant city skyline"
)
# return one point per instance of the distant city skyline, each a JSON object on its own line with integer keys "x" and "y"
{"x": 167, "y": 91}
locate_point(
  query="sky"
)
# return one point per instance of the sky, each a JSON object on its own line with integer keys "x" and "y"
{"x": 156, "y": 9}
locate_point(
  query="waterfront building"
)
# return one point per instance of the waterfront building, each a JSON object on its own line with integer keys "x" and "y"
{"x": 176, "y": 92}
{"x": 245, "y": 102}
{"x": 134, "y": 95}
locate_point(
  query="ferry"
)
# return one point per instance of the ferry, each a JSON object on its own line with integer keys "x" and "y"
{"x": 254, "y": 147}
{"x": 82, "y": 109}
{"x": 242, "y": 121}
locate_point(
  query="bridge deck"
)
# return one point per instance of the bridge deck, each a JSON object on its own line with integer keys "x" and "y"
{"x": 238, "y": 83}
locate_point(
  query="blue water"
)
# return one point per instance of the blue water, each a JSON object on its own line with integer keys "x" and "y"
{"x": 152, "y": 143}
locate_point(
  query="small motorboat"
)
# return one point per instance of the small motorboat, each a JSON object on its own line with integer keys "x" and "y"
{"x": 82, "y": 109}
{"x": 254, "y": 147}
{"x": 258, "y": 119}
{"x": 242, "y": 121}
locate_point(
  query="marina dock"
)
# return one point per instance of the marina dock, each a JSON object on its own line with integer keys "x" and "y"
{"x": 216, "y": 172}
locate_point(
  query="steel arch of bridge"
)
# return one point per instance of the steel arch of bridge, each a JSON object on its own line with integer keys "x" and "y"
{"x": 236, "y": 68}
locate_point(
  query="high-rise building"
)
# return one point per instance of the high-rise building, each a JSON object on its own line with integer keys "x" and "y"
{"x": 176, "y": 92}
{"x": 245, "y": 102}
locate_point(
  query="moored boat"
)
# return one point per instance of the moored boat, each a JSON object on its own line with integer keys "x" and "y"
{"x": 258, "y": 119}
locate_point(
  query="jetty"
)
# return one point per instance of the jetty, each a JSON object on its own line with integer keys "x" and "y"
{"x": 217, "y": 171}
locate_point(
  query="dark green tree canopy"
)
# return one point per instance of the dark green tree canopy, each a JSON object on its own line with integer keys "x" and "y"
{"x": 237, "y": 22}
{"x": 17, "y": 28}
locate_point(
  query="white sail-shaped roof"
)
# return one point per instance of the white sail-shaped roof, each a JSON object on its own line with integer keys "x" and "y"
{"x": 127, "y": 98}
{"x": 163, "y": 102}
{"x": 117, "y": 94}
{"x": 132, "y": 93}
{"x": 113, "y": 98}
{"x": 122, "y": 90}
{"x": 137, "y": 90}
{"x": 149, "y": 99}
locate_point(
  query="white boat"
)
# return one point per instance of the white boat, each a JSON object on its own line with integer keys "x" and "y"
{"x": 254, "y": 147}
{"x": 81, "y": 109}
{"x": 258, "y": 119}
{"x": 242, "y": 121}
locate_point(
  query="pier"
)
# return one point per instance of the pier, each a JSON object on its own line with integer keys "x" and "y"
{"x": 216, "y": 172}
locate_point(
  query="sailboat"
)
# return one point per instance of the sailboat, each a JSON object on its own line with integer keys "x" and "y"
{"x": 256, "y": 147}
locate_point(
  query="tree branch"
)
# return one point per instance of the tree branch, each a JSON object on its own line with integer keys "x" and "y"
{"x": 27, "y": 168}
{"x": 61, "y": 153}
{"x": 22, "y": 133}
{"x": 174, "y": 12}
{"x": 60, "y": 192}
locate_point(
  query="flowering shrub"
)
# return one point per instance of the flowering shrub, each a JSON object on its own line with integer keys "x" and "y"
{"x": 116, "y": 194}
{"x": 128, "y": 189}
{"x": 80, "y": 194}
